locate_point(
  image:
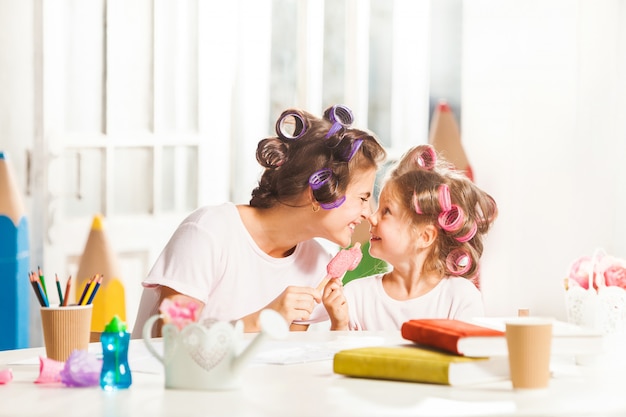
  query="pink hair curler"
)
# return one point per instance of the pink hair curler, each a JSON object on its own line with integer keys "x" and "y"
{"x": 416, "y": 204}
{"x": 427, "y": 158}
{"x": 451, "y": 220}
{"x": 469, "y": 235}
{"x": 445, "y": 202}
{"x": 458, "y": 262}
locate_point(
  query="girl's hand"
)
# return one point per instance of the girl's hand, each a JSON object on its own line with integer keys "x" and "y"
{"x": 336, "y": 305}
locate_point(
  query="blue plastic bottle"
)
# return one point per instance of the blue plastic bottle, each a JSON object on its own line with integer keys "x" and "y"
{"x": 115, "y": 371}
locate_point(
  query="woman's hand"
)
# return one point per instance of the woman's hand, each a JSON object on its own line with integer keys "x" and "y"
{"x": 294, "y": 303}
{"x": 336, "y": 305}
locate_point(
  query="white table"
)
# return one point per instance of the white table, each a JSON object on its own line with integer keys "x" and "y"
{"x": 312, "y": 389}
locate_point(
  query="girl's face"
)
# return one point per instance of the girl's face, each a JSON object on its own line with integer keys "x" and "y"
{"x": 338, "y": 224}
{"x": 391, "y": 238}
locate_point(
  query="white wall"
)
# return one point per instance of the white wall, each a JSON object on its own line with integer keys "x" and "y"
{"x": 543, "y": 105}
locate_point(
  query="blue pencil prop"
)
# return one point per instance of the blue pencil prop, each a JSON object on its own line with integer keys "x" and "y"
{"x": 95, "y": 290}
{"x": 14, "y": 262}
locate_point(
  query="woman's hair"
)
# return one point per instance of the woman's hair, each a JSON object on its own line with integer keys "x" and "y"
{"x": 311, "y": 152}
{"x": 432, "y": 192}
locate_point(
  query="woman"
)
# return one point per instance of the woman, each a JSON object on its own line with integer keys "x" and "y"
{"x": 236, "y": 260}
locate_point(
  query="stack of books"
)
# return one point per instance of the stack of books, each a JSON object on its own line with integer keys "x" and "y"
{"x": 453, "y": 352}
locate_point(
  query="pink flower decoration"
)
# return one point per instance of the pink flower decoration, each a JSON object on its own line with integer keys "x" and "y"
{"x": 615, "y": 275}
{"x": 579, "y": 271}
{"x": 180, "y": 311}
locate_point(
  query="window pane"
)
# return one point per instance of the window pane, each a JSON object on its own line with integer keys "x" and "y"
{"x": 179, "y": 178}
{"x": 84, "y": 182}
{"x": 132, "y": 186}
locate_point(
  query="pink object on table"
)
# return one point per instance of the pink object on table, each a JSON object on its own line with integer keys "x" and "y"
{"x": 345, "y": 260}
{"x": 6, "y": 376}
{"x": 49, "y": 371}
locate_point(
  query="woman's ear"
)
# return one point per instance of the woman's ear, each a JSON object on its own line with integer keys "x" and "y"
{"x": 427, "y": 235}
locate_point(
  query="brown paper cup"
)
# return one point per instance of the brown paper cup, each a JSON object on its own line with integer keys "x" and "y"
{"x": 65, "y": 329}
{"x": 529, "y": 343}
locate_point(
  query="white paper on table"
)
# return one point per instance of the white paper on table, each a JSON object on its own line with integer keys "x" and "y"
{"x": 271, "y": 352}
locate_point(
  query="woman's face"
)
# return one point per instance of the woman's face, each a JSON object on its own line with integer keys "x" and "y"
{"x": 337, "y": 225}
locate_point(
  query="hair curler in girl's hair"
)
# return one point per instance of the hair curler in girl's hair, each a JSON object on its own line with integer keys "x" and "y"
{"x": 469, "y": 235}
{"x": 458, "y": 262}
{"x": 451, "y": 220}
{"x": 427, "y": 159}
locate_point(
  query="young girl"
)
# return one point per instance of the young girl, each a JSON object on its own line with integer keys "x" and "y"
{"x": 237, "y": 260}
{"x": 429, "y": 227}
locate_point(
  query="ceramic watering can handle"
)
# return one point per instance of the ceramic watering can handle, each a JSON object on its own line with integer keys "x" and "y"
{"x": 147, "y": 338}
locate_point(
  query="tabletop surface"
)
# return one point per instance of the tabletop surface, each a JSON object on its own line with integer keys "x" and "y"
{"x": 307, "y": 386}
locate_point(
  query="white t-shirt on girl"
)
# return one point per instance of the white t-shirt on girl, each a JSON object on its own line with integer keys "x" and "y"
{"x": 370, "y": 307}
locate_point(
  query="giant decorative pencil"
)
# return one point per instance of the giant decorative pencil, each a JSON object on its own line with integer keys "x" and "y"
{"x": 14, "y": 262}
{"x": 99, "y": 258}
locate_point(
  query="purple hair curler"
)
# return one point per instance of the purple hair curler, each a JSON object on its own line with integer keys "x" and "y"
{"x": 340, "y": 116}
{"x": 353, "y": 149}
{"x": 291, "y": 125}
{"x": 458, "y": 262}
{"x": 319, "y": 178}
{"x": 334, "y": 204}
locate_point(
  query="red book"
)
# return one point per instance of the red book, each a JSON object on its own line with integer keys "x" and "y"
{"x": 450, "y": 335}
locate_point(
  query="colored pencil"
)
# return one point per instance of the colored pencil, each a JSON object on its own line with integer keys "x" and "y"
{"x": 56, "y": 278}
{"x": 95, "y": 290}
{"x": 67, "y": 291}
{"x": 87, "y": 285}
{"x": 33, "y": 283}
{"x": 43, "y": 281}
{"x": 40, "y": 292}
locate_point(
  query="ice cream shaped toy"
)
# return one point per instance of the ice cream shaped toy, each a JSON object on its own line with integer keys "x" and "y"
{"x": 345, "y": 260}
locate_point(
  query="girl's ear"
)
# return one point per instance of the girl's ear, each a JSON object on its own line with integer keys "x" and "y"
{"x": 427, "y": 235}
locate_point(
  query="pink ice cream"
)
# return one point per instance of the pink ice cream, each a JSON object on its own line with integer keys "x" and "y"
{"x": 345, "y": 260}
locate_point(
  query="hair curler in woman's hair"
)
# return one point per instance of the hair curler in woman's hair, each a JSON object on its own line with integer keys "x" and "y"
{"x": 291, "y": 125}
{"x": 321, "y": 178}
{"x": 340, "y": 116}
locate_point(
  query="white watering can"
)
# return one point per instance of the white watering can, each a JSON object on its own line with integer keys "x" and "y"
{"x": 209, "y": 356}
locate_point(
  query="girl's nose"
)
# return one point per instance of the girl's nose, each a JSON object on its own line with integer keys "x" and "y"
{"x": 372, "y": 218}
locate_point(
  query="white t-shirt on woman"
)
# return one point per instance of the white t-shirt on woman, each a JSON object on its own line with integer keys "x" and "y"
{"x": 212, "y": 257}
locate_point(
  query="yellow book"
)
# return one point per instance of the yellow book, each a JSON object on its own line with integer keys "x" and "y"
{"x": 418, "y": 364}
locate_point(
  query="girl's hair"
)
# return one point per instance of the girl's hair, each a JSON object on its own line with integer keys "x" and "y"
{"x": 433, "y": 192}
{"x": 318, "y": 153}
